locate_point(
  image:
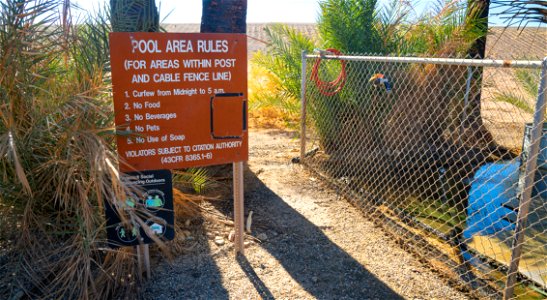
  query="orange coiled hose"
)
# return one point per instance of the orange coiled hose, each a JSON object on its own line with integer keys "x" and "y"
{"x": 329, "y": 88}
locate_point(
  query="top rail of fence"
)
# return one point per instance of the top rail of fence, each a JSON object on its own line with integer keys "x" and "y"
{"x": 495, "y": 63}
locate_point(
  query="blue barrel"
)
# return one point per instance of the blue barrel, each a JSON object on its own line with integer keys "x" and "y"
{"x": 540, "y": 179}
{"x": 493, "y": 185}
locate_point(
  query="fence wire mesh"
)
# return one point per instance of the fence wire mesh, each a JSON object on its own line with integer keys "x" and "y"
{"x": 436, "y": 153}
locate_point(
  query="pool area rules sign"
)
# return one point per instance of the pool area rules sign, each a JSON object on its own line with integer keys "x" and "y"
{"x": 180, "y": 99}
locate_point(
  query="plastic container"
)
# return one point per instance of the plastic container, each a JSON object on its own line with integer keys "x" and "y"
{"x": 540, "y": 186}
{"x": 493, "y": 185}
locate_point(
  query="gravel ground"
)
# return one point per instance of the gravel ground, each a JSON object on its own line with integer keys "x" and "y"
{"x": 305, "y": 243}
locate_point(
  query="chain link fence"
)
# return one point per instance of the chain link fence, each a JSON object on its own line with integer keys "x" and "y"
{"x": 449, "y": 155}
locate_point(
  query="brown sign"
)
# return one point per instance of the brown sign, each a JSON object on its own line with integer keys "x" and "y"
{"x": 180, "y": 99}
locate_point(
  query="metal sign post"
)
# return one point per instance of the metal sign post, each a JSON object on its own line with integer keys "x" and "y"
{"x": 238, "y": 207}
{"x": 303, "y": 108}
{"x": 146, "y": 253}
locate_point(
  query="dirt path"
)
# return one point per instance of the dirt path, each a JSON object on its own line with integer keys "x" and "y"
{"x": 314, "y": 244}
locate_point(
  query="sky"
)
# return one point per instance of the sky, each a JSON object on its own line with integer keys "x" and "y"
{"x": 258, "y": 11}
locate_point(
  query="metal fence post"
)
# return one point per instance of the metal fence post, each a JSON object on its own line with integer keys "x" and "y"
{"x": 239, "y": 207}
{"x": 391, "y": 144}
{"x": 465, "y": 102}
{"x": 303, "y": 108}
{"x": 531, "y": 168}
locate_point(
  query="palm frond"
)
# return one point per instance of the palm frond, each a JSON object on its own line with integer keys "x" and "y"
{"x": 522, "y": 13}
{"x": 283, "y": 61}
{"x": 348, "y": 25}
{"x": 197, "y": 178}
{"x": 57, "y": 165}
{"x": 390, "y": 27}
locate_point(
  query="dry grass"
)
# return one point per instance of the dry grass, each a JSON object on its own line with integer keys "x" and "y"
{"x": 58, "y": 164}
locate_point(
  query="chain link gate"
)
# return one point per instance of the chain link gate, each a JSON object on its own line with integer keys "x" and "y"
{"x": 449, "y": 155}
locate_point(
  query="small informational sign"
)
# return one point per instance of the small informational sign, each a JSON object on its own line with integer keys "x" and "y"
{"x": 179, "y": 99}
{"x": 154, "y": 197}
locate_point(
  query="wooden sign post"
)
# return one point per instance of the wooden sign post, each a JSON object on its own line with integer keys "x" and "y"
{"x": 180, "y": 101}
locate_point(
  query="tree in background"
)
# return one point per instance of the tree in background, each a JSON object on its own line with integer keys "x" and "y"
{"x": 224, "y": 16}
{"x": 134, "y": 15}
{"x": 477, "y": 16}
{"x": 350, "y": 26}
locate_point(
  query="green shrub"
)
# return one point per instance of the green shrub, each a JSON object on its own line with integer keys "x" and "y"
{"x": 350, "y": 25}
{"x": 283, "y": 61}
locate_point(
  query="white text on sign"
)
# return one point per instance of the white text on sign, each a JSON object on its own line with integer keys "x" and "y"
{"x": 179, "y": 46}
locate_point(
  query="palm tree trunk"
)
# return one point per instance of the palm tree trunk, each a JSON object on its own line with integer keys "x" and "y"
{"x": 134, "y": 15}
{"x": 224, "y": 16}
{"x": 477, "y": 16}
{"x": 477, "y": 12}
{"x": 458, "y": 174}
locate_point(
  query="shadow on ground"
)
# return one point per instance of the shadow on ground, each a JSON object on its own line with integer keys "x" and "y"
{"x": 314, "y": 262}
{"x": 190, "y": 276}
{"x": 318, "y": 265}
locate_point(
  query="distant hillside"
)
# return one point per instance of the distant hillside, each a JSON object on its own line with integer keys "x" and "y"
{"x": 511, "y": 43}
{"x": 257, "y": 38}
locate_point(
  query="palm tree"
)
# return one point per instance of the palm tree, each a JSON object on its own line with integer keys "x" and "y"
{"x": 224, "y": 16}
{"x": 477, "y": 15}
{"x": 134, "y": 15}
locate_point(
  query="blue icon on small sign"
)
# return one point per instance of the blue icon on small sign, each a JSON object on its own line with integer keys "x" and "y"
{"x": 157, "y": 226}
{"x": 154, "y": 200}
